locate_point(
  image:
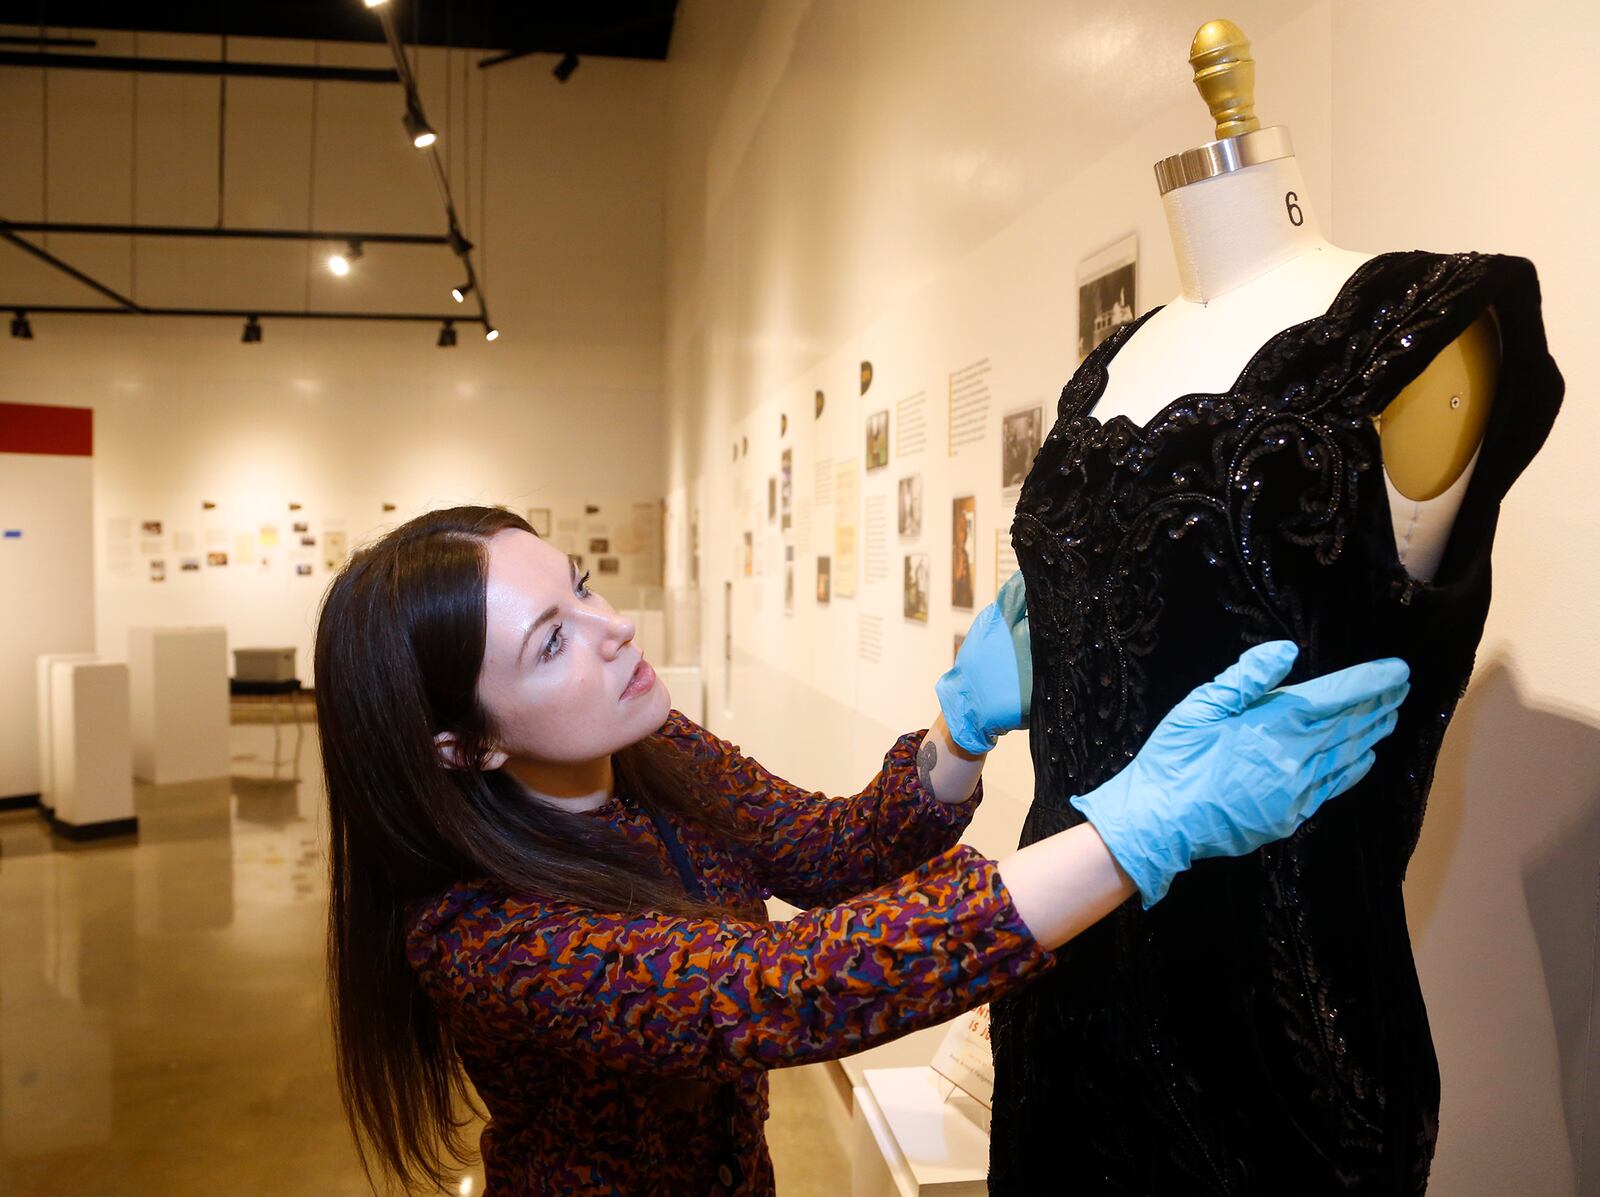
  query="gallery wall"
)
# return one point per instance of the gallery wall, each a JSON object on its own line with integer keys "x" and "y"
{"x": 918, "y": 187}
{"x": 344, "y": 428}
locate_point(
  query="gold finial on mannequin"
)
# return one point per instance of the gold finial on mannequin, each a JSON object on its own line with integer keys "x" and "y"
{"x": 1225, "y": 75}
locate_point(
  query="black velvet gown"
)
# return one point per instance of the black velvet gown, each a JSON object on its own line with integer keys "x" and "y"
{"x": 1261, "y": 1030}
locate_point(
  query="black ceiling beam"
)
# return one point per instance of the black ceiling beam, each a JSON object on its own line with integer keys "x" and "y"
{"x": 195, "y": 66}
{"x": 67, "y": 268}
{"x": 212, "y": 232}
{"x": 83, "y": 43}
{"x": 58, "y": 309}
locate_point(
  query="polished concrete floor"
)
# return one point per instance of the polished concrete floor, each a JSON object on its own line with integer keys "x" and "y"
{"x": 163, "y": 1024}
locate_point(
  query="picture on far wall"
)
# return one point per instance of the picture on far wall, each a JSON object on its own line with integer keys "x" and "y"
{"x": 189, "y": 565}
{"x": 1020, "y": 438}
{"x": 599, "y": 545}
{"x": 158, "y": 570}
{"x": 149, "y": 527}
{"x": 963, "y": 549}
{"x": 303, "y": 569}
{"x": 1106, "y": 292}
{"x": 914, "y": 587}
{"x": 786, "y": 490}
{"x": 878, "y": 440}
{"x": 216, "y": 559}
{"x": 772, "y": 498}
{"x": 910, "y": 518}
{"x": 335, "y": 547}
{"x": 788, "y": 579}
{"x": 610, "y": 565}
{"x": 301, "y": 526}
{"x": 824, "y": 580}
{"x": 539, "y": 520}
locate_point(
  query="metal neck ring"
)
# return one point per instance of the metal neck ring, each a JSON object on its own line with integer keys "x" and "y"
{"x": 1223, "y": 157}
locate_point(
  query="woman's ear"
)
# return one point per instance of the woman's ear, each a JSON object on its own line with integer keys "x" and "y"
{"x": 449, "y": 749}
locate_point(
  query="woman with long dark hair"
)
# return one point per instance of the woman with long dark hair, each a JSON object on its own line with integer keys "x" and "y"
{"x": 546, "y": 880}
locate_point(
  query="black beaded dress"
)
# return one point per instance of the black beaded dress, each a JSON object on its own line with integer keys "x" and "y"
{"x": 1260, "y": 1031}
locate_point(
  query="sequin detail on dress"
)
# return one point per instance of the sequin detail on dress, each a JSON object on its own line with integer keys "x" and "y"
{"x": 1261, "y": 1031}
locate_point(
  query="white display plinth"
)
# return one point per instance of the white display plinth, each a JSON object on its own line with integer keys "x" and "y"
{"x": 908, "y": 1141}
{"x": 45, "y": 708}
{"x": 685, "y": 687}
{"x": 179, "y": 703}
{"x": 91, "y": 751}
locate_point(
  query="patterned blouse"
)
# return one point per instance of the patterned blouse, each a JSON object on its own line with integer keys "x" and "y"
{"x": 627, "y": 1054}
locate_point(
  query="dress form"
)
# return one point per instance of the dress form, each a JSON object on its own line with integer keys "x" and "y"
{"x": 1252, "y": 261}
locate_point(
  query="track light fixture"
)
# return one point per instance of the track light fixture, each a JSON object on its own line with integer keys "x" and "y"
{"x": 564, "y": 68}
{"x": 252, "y": 330}
{"x": 460, "y": 293}
{"x": 417, "y": 126}
{"x": 20, "y": 328}
{"x": 339, "y": 263}
{"x": 375, "y": 3}
{"x": 491, "y": 334}
{"x": 447, "y": 335}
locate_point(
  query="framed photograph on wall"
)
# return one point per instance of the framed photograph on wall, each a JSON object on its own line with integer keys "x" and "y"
{"x": 878, "y": 440}
{"x": 963, "y": 551}
{"x": 910, "y": 507}
{"x": 1107, "y": 292}
{"x": 1020, "y": 438}
{"x": 914, "y": 587}
{"x": 539, "y": 520}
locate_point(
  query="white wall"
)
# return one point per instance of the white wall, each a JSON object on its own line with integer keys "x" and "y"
{"x": 564, "y": 408}
{"x": 914, "y": 184}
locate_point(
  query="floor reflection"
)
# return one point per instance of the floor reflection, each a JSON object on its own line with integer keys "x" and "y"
{"x": 163, "y": 1024}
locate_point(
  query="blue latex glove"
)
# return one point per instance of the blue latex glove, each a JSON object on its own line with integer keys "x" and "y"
{"x": 987, "y": 692}
{"x": 1238, "y": 764}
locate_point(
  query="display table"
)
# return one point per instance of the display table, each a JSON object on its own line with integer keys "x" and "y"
{"x": 907, "y": 1140}
{"x": 44, "y": 705}
{"x": 179, "y": 699}
{"x": 91, "y": 752}
{"x": 278, "y": 696}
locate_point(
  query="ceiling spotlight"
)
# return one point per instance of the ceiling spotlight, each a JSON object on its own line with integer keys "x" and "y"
{"x": 252, "y": 331}
{"x": 491, "y": 334}
{"x": 417, "y": 126}
{"x": 339, "y": 263}
{"x": 447, "y": 335}
{"x": 20, "y": 328}
{"x": 459, "y": 294}
{"x": 564, "y": 68}
{"x": 375, "y": 3}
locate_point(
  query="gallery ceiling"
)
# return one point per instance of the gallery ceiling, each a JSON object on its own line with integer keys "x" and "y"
{"x": 607, "y": 28}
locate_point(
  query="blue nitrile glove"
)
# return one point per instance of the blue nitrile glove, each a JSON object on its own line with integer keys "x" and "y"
{"x": 1237, "y": 764}
{"x": 986, "y": 693}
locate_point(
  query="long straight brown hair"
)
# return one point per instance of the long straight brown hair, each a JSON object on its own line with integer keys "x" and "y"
{"x": 400, "y": 642}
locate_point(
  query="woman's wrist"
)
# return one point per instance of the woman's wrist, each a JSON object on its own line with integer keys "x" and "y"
{"x": 946, "y": 770}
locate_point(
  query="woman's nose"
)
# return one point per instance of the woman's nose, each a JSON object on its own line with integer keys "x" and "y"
{"x": 610, "y": 630}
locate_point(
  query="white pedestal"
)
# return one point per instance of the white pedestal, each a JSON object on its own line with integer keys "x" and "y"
{"x": 45, "y": 707}
{"x": 909, "y": 1142}
{"x": 686, "y": 689}
{"x": 91, "y": 752}
{"x": 179, "y": 703}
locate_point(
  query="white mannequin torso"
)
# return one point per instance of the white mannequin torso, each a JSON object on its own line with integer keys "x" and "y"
{"x": 1248, "y": 270}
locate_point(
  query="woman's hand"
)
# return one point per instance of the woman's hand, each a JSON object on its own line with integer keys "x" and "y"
{"x": 987, "y": 691}
{"x": 1238, "y": 764}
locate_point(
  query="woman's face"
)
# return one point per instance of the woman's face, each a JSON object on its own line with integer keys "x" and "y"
{"x": 562, "y": 681}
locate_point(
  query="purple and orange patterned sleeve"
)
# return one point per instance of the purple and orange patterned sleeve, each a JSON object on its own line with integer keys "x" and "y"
{"x": 674, "y": 995}
{"x": 813, "y": 850}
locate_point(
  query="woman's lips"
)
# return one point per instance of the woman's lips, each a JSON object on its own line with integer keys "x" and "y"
{"x": 643, "y": 678}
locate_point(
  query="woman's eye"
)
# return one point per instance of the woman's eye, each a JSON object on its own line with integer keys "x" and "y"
{"x": 583, "y": 586}
{"x": 553, "y": 646}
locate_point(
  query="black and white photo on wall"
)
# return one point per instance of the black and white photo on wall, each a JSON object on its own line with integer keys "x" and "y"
{"x": 963, "y": 550}
{"x": 878, "y": 440}
{"x": 910, "y": 506}
{"x": 1020, "y": 438}
{"x": 786, "y": 491}
{"x": 914, "y": 587}
{"x": 1107, "y": 295}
